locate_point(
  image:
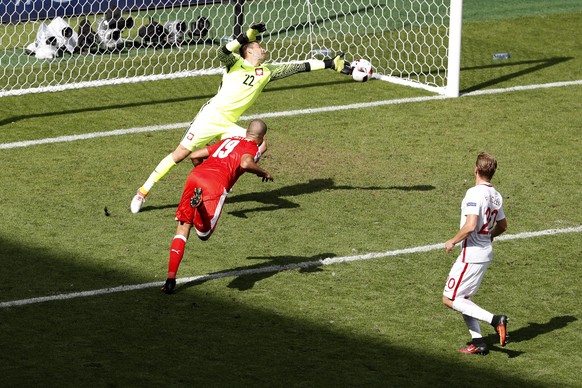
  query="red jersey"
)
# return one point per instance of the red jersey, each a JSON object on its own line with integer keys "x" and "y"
{"x": 215, "y": 176}
{"x": 222, "y": 166}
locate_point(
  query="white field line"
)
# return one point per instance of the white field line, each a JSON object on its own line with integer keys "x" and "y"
{"x": 275, "y": 268}
{"x": 119, "y": 132}
{"x": 522, "y": 88}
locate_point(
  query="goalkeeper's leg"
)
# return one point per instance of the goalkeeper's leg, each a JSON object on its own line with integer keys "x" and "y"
{"x": 159, "y": 172}
{"x": 164, "y": 167}
{"x": 200, "y": 132}
{"x": 205, "y": 127}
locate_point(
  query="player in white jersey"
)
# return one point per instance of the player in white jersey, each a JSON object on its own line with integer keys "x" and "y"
{"x": 482, "y": 219}
{"x": 242, "y": 83}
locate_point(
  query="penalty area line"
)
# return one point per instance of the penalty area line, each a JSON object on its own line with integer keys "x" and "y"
{"x": 274, "y": 268}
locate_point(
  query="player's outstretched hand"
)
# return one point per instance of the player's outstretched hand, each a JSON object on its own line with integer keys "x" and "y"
{"x": 338, "y": 62}
{"x": 341, "y": 65}
{"x": 260, "y": 27}
{"x": 255, "y": 30}
{"x": 347, "y": 69}
{"x": 267, "y": 177}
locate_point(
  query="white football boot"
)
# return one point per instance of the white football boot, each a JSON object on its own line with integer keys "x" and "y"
{"x": 137, "y": 202}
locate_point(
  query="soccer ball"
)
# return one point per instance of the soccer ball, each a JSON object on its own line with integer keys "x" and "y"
{"x": 362, "y": 70}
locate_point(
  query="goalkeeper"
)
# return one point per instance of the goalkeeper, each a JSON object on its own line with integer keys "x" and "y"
{"x": 243, "y": 81}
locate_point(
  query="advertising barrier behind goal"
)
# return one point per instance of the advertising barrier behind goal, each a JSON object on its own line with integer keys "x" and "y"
{"x": 14, "y": 11}
{"x": 51, "y": 45}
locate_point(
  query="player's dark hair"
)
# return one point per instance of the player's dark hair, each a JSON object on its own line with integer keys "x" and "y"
{"x": 486, "y": 165}
{"x": 243, "y": 49}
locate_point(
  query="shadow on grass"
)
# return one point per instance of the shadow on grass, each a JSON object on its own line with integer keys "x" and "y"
{"x": 208, "y": 336}
{"x": 536, "y": 65}
{"x": 269, "y": 266}
{"x": 275, "y": 199}
{"x": 149, "y": 102}
{"x": 529, "y": 332}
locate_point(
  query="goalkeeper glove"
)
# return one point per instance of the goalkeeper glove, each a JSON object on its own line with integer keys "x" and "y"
{"x": 339, "y": 64}
{"x": 255, "y": 30}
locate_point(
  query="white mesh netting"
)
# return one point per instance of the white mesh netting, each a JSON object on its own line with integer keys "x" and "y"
{"x": 59, "y": 44}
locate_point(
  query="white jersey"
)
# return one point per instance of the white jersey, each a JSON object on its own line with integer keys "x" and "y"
{"x": 485, "y": 202}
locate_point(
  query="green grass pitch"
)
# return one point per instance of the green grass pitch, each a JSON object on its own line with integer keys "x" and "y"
{"x": 347, "y": 183}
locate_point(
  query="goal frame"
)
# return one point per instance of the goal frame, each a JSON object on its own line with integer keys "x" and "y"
{"x": 452, "y": 71}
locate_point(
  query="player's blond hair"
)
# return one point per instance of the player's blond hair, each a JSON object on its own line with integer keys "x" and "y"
{"x": 486, "y": 165}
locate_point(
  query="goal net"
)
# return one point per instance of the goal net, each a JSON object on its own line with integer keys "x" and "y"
{"x": 50, "y": 45}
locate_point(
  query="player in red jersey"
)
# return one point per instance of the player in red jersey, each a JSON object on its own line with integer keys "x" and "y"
{"x": 245, "y": 77}
{"x": 208, "y": 185}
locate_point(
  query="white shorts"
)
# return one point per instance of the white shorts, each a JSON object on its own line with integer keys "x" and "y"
{"x": 207, "y": 126}
{"x": 464, "y": 279}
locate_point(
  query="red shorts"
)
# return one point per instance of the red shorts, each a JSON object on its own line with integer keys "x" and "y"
{"x": 205, "y": 216}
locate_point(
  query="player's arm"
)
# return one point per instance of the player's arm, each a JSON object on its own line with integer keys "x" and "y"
{"x": 248, "y": 163}
{"x": 337, "y": 63}
{"x": 499, "y": 228}
{"x": 262, "y": 148}
{"x": 199, "y": 155}
{"x": 225, "y": 53}
{"x": 468, "y": 228}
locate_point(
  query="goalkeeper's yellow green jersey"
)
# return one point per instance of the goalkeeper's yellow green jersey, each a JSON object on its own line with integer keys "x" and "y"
{"x": 242, "y": 83}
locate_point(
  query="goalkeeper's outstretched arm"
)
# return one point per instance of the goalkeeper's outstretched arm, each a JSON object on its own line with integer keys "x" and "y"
{"x": 228, "y": 58}
{"x": 337, "y": 63}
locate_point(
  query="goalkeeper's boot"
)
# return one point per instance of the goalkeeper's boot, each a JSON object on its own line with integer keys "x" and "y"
{"x": 196, "y": 199}
{"x": 476, "y": 348}
{"x": 169, "y": 286}
{"x": 137, "y": 202}
{"x": 500, "y": 325}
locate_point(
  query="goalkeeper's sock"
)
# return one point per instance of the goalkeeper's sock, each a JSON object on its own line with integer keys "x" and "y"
{"x": 159, "y": 172}
{"x": 316, "y": 64}
{"x": 176, "y": 255}
{"x": 142, "y": 191}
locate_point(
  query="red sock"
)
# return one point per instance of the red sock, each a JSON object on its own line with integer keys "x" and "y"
{"x": 176, "y": 255}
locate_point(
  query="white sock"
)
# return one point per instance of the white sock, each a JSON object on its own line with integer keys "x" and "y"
{"x": 467, "y": 307}
{"x": 473, "y": 326}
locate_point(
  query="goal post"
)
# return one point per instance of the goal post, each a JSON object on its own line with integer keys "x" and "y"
{"x": 411, "y": 42}
{"x": 454, "y": 51}
{"x": 425, "y": 47}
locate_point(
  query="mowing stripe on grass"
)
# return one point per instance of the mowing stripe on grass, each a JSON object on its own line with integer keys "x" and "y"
{"x": 119, "y": 132}
{"x": 275, "y": 268}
